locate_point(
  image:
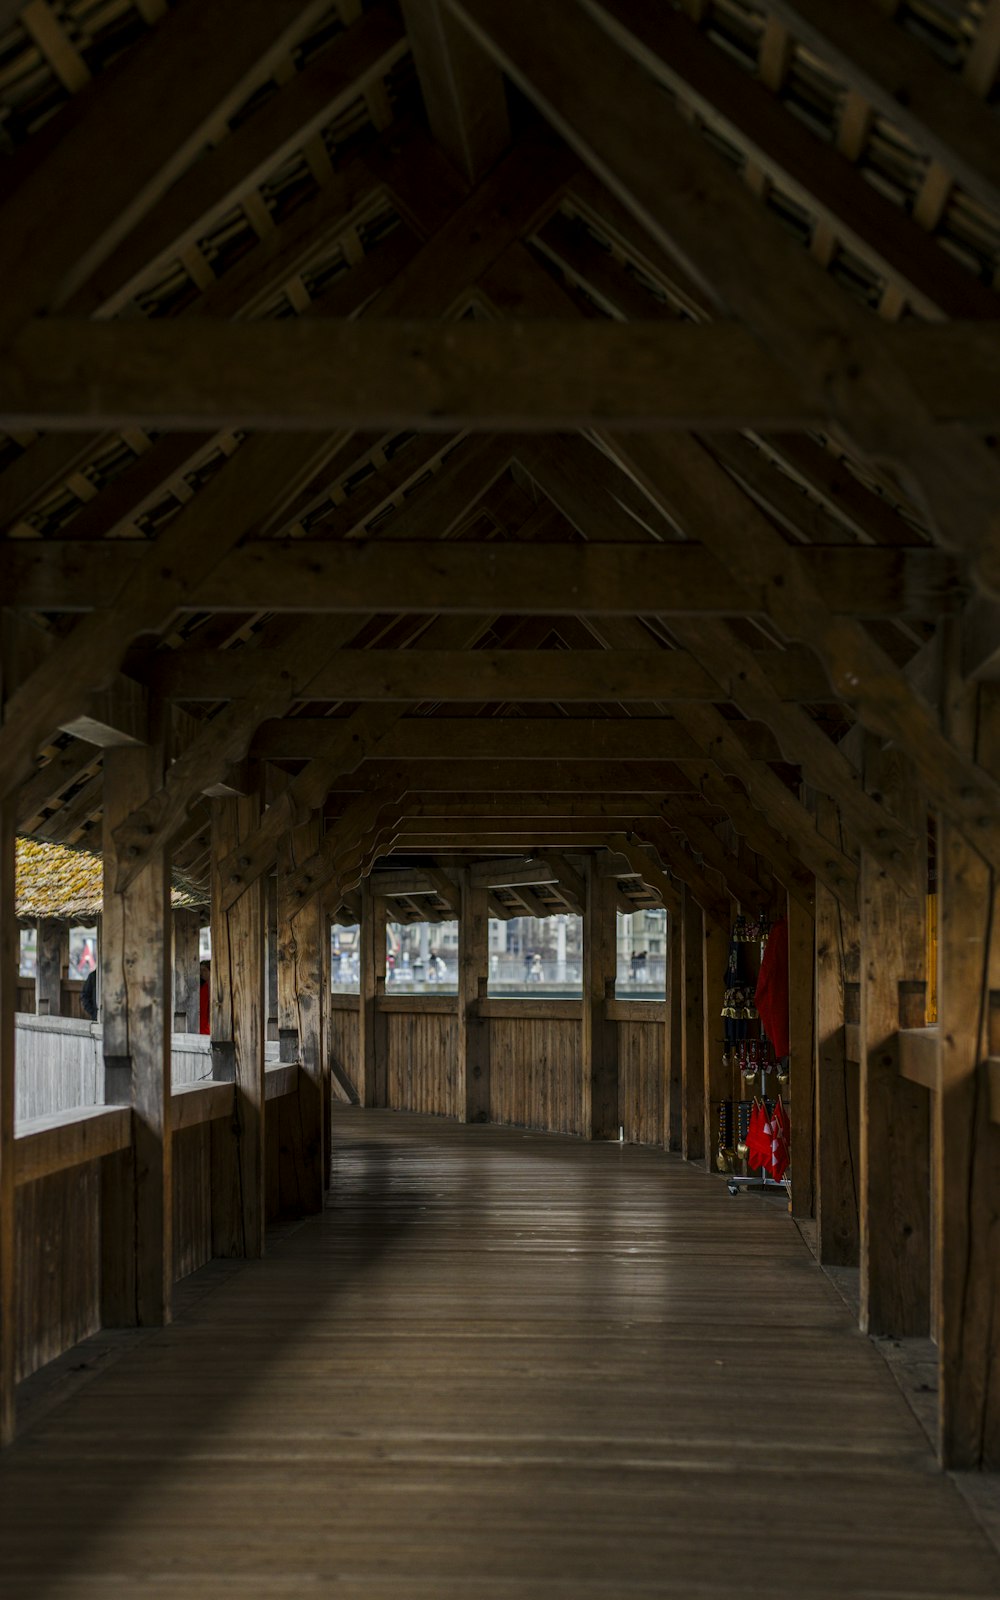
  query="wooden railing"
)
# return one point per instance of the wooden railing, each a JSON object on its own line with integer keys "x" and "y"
{"x": 61, "y": 1165}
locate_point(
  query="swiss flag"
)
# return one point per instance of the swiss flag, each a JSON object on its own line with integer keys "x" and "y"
{"x": 758, "y": 1137}
{"x": 780, "y": 1131}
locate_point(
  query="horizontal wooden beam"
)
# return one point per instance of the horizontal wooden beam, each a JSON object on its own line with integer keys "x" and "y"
{"x": 67, "y": 1139}
{"x": 530, "y": 1010}
{"x": 518, "y": 742}
{"x": 635, "y": 1010}
{"x": 434, "y": 1005}
{"x": 61, "y": 374}
{"x": 567, "y": 62}
{"x": 553, "y": 777}
{"x": 521, "y": 676}
{"x": 464, "y": 578}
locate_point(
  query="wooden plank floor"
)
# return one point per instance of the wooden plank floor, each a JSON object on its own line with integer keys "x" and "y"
{"x": 501, "y": 1365}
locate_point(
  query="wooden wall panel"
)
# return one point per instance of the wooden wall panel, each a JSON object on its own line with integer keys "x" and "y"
{"x": 423, "y": 1061}
{"x": 58, "y": 1263}
{"x": 536, "y": 1074}
{"x": 192, "y": 1158}
{"x": 289, "y": 1177}
{"x": 641, "y": 1081}
{"x": 343, "y": 1044}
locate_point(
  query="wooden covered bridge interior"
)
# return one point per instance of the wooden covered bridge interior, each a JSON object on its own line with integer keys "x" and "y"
{"x": 468, "y": 459}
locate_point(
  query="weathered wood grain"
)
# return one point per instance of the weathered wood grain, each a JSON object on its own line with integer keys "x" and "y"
{"x": 9, "y": 961}
{"x": 837, "y": 1085}
{"x": 694, "y": 1134}
{"x": 641, "y": 1081}
{"x": 895, "y": 1114}
{"x": 63, "y": 374}
{"x": 472, "y": 1038}
{"x": 966, "y": 1145}
{"x": 599, "y": 1036}
{"x": 68, "y": 1139}
{"x": 373, "y": 1032}
{"x": 449, "y": 1334}
{"x": 301, "y": 969}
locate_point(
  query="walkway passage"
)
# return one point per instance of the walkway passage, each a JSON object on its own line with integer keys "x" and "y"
{"x": 502, "y": 1365}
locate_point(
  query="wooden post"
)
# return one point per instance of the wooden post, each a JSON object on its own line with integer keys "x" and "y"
{"x": 373, "y": 1040}
{"x": 600, "y": 1035}
{"x": 473, "y": 1043}
{"x": 837, "y": 1079}
{"x": 273, "y": 959}
{"x": 138, "y": 1258}
{"x": 967, "y": 1143}
{"x": 802, "y": 1056}
{"x": 51, "y": 966}
{"x": 692, "y": 1032}
{"x": 9, "y": 950}
{"x": 238, "y": 1213}
{"x": 187, "y": 972}
{"x": 716, "y": 1079}
{"x": 299, "y": 932}
{"x": 673, "y": 1044}
{"x": 895, "y": 1115}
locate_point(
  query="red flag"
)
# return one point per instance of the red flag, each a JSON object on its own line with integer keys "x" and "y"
{"x": 780, "y": 1132}
{"x": 758, "y": 1142}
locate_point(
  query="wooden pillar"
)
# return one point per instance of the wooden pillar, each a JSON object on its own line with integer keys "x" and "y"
{"x": 238, "y": 1211}
{"x": 600, "y": 1035}
{"x": 673, "y": 1044}
{"x": 716, "y": 1079}
{"x": 9, "y": 953}
{"x": 273, "y": 960}
{"x": 895, "y": 1114}
{"x": 137, "y": 1204}
{"x": 373, "y": 1042}
{"x": 802, "y": 1056}
{"x": 187, "y": 972}
{"x": 299, "y": 932}
{"x": 51, "y": 966}
{"x": 692, "y": 1032}
{"x": 837, "y": 1079}
{"x": 967, "y": 1143}
{"x": 473, "y": 1042}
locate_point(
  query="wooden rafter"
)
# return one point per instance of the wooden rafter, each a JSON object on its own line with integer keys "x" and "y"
{"x": 751, "y": 268}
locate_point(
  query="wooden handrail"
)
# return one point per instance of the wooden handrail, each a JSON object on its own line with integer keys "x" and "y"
{"x": 68, "y": 1139}
{"x": 281, "y": 1080}
{"x": 531, "y": 1010}
{"x": 419, "y": 1004}
{"x": 195, "y": 1103}
{"x": 635, "y": 1010}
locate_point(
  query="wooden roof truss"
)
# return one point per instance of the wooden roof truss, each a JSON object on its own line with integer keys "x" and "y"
{"x": 490, "y": 473}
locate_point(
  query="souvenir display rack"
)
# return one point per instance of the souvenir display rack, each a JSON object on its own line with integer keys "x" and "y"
{"x": 750, "y": 1052}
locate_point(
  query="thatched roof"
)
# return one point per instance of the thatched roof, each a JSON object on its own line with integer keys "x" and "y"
{"x": 55, "y": 881}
